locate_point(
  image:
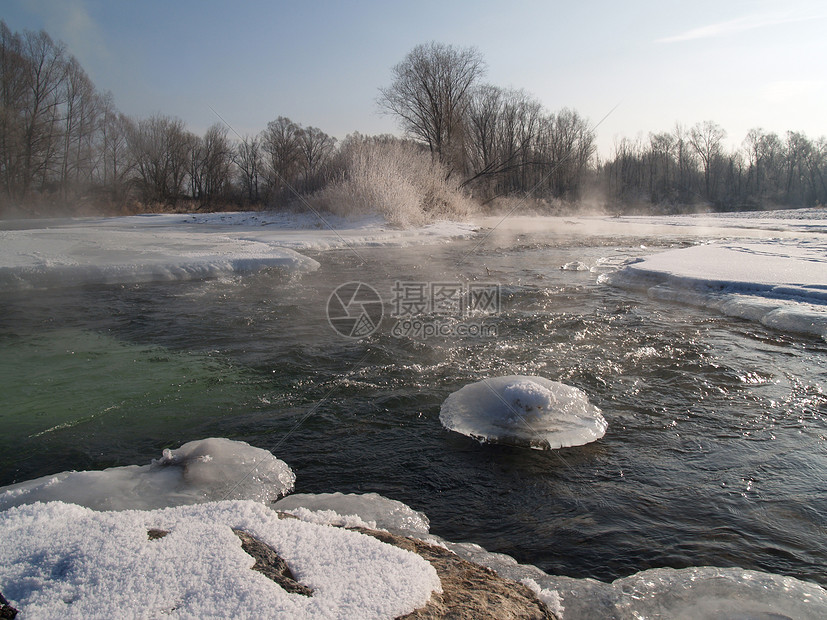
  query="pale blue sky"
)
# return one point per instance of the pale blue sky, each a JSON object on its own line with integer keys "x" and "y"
{"x": 740, "y": 63}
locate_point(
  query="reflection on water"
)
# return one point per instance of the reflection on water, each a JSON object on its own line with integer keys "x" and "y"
{"x": 714, "y": 455}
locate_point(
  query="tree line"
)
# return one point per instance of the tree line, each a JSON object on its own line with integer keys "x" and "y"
{"x": 504, "y": 142}
{"x": 66, "y": 148}
{"x": 692, "y": 167}
{"x": 63, "y": 144}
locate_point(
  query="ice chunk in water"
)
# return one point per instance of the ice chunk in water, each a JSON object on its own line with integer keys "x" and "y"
{"x": 197, "y": 472}
{"x": 523, "y": 411}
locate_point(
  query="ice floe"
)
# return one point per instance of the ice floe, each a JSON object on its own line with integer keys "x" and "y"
{"x": 523, "y": 411}
{"x": 575, "y": 266}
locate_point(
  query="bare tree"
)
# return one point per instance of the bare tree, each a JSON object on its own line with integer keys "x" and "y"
{"x": 44, "y": 74}
{"x": 798, "y": 150}
{"x": 280, "y": 141}
{"x": 483, "y": 119}
{"x": 662, "y": 148}
{"x": 569, "y": 142}
{"x": 115, "y": 159}
{"x": 80, "y": 124}
{"x": 706, "y": 139}
{"x": 430, "y": 95}
{"x": 12, "y": 105}
{"x": 247, "y": 158}
{"x": 215, "y": 152}
{"x": 504, "y": 140}
{"x": 160, "y": 146}
{"x": 316, "y": 148}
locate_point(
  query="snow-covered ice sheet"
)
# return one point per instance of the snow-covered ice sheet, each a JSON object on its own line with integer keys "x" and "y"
{"x": 149, "y": 248}
{"x": 781, "y": 283}
{"x": 199, "y": 471}
{"x": 45, "y": 258}
{"x": 811, "y": 220}
{"x": 60, "y": 560}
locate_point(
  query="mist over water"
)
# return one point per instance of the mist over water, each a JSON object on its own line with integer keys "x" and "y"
{"x": 714, "y": 454}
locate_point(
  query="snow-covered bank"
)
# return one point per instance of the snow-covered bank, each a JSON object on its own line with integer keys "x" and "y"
{"x": 148, "y": 248}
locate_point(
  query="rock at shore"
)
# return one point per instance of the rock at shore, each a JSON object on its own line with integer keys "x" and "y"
{"x": 468, "y": 590}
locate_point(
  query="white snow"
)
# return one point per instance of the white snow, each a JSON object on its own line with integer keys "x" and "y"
{"x": 551, "y": 598}
{"x": 524, "y": 411}
{"x": 197, "y": 472}
{"x": 356, "y": 510}
{"x": 60, "y": 560}
{"x": 147, "y": 248}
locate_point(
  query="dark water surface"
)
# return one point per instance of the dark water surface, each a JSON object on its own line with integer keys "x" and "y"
{"x": 716, "y": 450}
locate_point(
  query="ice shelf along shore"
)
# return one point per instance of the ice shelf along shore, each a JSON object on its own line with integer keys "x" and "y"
{"x": 151, "y": 248}
{"x": 60, "y": 559}
{"x": 781, "y": 284}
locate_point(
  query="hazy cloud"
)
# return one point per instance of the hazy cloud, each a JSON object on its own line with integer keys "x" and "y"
{"x": 786, "y": 91}
{"x": 70, "y": 22}
{"x": 740, "y": 24}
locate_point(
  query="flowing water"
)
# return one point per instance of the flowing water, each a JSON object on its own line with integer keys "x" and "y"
{"x": 715, "y": 452}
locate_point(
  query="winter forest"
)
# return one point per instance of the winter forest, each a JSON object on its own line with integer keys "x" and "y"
{"x": 65, "y": 149}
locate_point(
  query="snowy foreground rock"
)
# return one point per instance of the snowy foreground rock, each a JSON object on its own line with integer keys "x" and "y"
{"x": 64, "y": 561}
{"x": 523, "y": 411}
{"x": 58, "y": 559}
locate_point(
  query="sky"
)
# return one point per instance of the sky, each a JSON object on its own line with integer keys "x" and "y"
{"x": 630, "y": 67}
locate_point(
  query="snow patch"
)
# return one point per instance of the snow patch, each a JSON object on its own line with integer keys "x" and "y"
{"x": 63, "y": 561}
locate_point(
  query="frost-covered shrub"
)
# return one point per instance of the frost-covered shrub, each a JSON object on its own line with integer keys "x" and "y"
{"x": 396, "y": 179}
